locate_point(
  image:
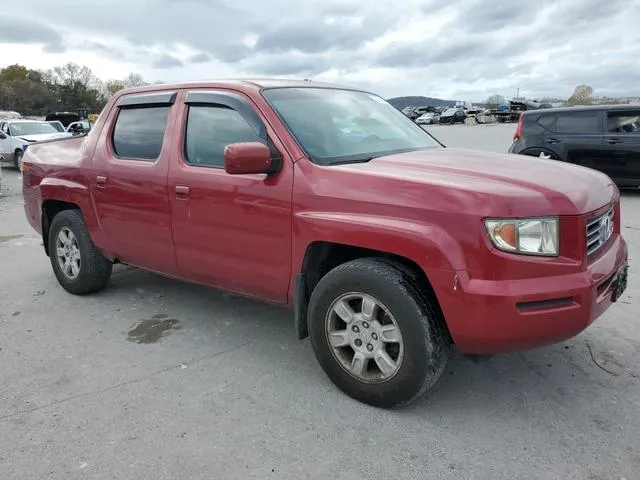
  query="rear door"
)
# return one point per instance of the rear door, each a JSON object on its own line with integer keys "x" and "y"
{"x": 577, "y": 137}
{"x": 231, "y": 231}
{"x": 621, "y": 145}
{"x": 129, "y": 181}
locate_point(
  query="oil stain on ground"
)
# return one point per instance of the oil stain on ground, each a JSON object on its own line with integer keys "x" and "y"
{"x": 154, "y": 329}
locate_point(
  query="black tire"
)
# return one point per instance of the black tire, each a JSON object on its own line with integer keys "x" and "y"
{"x": 95, "y": 270}
{"x": 17, "y": 159}
{"x": 426, "y": 342}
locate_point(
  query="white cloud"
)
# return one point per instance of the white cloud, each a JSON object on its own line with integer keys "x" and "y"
{"x": 461, "y": 49}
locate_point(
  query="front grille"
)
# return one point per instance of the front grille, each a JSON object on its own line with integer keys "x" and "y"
{"x": 599, "y": 230}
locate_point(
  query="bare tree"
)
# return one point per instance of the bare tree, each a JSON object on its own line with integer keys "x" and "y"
{"x": 134, "y": 80}
{"x": 494, "y": 101}
{"x": 72, "y": 74}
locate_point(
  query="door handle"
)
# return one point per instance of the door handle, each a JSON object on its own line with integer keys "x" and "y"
{"x": 613, "y": 141}
{"x": 101, "y": 181}
{"x": 182, "y": 192}
{"x": 551, "y": 141}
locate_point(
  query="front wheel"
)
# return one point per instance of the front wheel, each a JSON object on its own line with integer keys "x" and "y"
{"x": 17, "y": 159}
{"x": 377, "y": 336}
{"x": 77, "y": 264}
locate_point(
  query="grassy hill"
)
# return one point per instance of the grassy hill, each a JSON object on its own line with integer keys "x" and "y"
{"x": 417, "y": 101}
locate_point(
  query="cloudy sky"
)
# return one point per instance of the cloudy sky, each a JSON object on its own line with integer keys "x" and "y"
{"x": 454, "y": 49}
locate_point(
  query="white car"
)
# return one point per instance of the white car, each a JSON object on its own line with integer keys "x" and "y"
{"x": 16, "y": 135}
{"x": 428, "y": 118}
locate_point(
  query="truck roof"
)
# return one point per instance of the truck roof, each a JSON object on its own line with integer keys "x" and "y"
{"x": 242, "y": 84}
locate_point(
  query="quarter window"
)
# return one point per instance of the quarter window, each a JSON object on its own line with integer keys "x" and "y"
{"x": 547, "y": 122}
{"x": 139, "y": 132}
{"x": 624, "y": 121}
{"x": 209, "y": 130}
{"x": 585, "y": 123}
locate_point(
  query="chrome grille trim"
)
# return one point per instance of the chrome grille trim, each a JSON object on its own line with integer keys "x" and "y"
{"x": 598, "y": 231}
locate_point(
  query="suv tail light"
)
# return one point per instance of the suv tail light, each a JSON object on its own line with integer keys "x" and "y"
{"x": 518, "y": 133}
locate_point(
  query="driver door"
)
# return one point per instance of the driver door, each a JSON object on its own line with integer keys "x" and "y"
{"x": 230, "y": 231}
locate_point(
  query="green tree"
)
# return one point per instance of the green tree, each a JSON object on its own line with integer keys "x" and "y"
{"x": 582, "y": 95}
{"x": 13, "y": 72}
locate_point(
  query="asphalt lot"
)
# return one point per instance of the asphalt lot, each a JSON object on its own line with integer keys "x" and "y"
{"x": 229, "y": 392}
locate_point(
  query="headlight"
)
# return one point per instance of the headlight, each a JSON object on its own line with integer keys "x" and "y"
{"x": 528, "y": 236}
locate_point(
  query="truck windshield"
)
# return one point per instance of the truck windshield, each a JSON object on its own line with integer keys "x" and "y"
{"x": 19, "y": 129}
{"x": 337, "y": 126}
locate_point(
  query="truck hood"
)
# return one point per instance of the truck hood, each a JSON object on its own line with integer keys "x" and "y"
{"x": 493, "y": 183}
{"x": 40, "y": 137}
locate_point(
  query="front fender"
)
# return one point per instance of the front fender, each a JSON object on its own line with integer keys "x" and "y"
{"x": 438, "y": 253}
{"x": 429, "y": 246}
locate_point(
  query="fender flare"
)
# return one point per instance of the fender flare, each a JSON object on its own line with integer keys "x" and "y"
{"x": 427, "y": 245}
{"x": 62, "y": 190}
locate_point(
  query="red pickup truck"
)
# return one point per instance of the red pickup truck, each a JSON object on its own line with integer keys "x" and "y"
{"x": 391, "y": 249}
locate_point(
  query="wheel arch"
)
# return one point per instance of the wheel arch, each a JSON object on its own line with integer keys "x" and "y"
{"x": 51, "y": 208}
{"x": 320, "y": 257}
{"x": 61, "y": 194}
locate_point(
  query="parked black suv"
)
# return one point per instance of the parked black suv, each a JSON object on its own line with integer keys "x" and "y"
{"x": 602, "y": 137}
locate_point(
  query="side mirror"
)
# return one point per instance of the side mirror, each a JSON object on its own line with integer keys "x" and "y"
{"x": 3, "y": 136}
{"x": 249, "y": 158}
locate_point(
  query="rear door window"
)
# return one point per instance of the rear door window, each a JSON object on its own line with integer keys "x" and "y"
{"x": 580, "y": 122}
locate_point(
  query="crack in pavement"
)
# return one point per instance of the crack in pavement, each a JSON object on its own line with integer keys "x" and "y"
{"x": 122, "y": 384}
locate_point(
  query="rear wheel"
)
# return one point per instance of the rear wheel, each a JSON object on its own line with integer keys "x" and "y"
{"x": 77, "y": 264}
{"x": 377, "y": 336}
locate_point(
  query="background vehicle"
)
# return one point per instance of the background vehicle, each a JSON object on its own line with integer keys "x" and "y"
{"x": 485, "y": 116}
{"x": 16, "y": 135}
{"x": 77, "y": 128}
{"x": 510, "y": 112}
{"x": 57, "y": 124}
{"x": 390, "y": 248}
{"x": 603, "y": 137}
{"x": 9, "y": 115}
{"x": 428, "y": 118}
{"x": 66, "y": 118}
{"x": 453, "y": 115}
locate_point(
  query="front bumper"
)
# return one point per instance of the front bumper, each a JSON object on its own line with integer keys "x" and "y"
{"x": 490, "y": 317}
